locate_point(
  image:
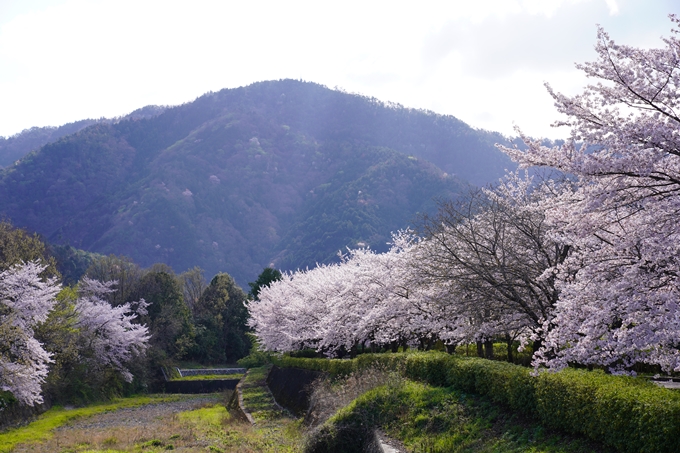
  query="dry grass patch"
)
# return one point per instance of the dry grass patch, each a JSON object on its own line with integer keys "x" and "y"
{"x": 206, "y": 427}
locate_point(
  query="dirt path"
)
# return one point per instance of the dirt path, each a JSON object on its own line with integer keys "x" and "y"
{"x": 128, "y": 429}
{"x": 141, "y": 416}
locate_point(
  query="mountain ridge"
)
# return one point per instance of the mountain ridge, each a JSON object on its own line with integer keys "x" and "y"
{"x": 282, "y": 173}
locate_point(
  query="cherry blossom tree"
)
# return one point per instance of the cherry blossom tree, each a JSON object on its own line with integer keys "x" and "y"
{"x": 493, "y": 253}
{"x": 292, "y": 312}
{"x": 25, "y": 301}
{"x": 619, "y": 290}
{"x": 369, "y": 299}
{"x": 108, "y": 336}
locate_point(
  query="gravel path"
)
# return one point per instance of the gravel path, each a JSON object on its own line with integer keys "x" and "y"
{"x": 140, "y": 415}
{"x": 126, "y": 428}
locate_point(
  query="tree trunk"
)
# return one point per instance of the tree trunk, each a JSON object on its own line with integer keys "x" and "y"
{"x": 429, "y": 344}
{"x": 480, "y": 349}
{"x": 404, "y": 344}
{"x": 451, "y": 348}
{"x": 508, "y": 341}
{"x": 488, "y": 349}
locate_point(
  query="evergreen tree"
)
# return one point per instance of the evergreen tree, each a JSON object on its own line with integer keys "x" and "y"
{"x": 221, "y": 317}
{"x": 266, "y": 277}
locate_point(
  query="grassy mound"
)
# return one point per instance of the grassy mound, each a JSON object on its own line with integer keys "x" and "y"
{"x": 629, "y": 414}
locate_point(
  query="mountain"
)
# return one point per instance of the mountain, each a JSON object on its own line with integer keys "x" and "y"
{"x": 17, "y": 146}
{"x": 282, "y": 173}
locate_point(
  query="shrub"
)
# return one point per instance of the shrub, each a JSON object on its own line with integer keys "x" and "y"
{"x": 256, "y": 357}
{"x": 629, "y": 414}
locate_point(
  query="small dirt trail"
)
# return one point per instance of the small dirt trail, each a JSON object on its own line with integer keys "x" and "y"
{"x": 124, "y": 429}
{"x": 141, "y": 416}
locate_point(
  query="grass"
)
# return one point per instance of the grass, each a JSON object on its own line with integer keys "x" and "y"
{"x": 435, "y": 419}
{"x": 227, "y": 434}
{"x": 257, "y": 398}
{"x": 207, "y": 428}
{"x": 424, "y": 418}
{"x": 42, "y": 428}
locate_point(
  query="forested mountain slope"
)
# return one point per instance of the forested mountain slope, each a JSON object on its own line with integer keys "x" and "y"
{"x": 284, "y": 173}
{"x": 17, "y": 146}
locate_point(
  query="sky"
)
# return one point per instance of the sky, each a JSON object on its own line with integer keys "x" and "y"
{"x": 484, "y": 61}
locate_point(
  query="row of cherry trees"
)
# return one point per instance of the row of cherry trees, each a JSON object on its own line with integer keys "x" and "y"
{"x": 482, "y": 270}
{"x": 587, "y": 267}
{"x": 369, "y": 297}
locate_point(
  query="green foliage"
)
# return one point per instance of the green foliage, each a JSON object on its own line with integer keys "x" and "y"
{"x": 68, "y": 380}
{"x": 168, "y": 318}
{"x": 266, "y": 278}
{"x": 17, "y": 245}
{"x": 629, "y": 414}
{"x": 256, "y": 357}
{"x": 220, "y": 315}
{"x": 72, "y": 263}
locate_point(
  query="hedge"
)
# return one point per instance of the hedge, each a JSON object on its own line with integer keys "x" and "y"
{"x": 629, "y": 414}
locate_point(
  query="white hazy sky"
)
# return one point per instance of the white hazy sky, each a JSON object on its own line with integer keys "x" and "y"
{"x": 482, "y": 61}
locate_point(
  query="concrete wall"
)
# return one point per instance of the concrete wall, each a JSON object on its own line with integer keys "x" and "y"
{"x": 203, "y": 386}
{"x": 291, "y": 387}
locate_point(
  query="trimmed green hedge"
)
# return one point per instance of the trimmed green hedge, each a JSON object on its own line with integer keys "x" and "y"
{"x": 629, "y": 414}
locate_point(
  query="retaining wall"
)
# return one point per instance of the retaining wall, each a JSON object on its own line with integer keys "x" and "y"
{"x": 291, "y": 387}
{"x": 210, "y": 371}
{"x": 203, "y": 386}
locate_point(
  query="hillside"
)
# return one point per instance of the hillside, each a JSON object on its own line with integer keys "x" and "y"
{"x": 17, "y": 146}
{"x": 284, "y": 173}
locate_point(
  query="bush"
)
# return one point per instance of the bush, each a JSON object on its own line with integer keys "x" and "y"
{"x": 629, "y": 414}
{"x": 256, "y": 357}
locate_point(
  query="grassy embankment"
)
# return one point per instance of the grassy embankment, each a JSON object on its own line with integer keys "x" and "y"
{"x": 427, "y": 419}
{"x": 212, "y": 427}
{"x": 627, "y": 414}
{"x": 430, "y": 419}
